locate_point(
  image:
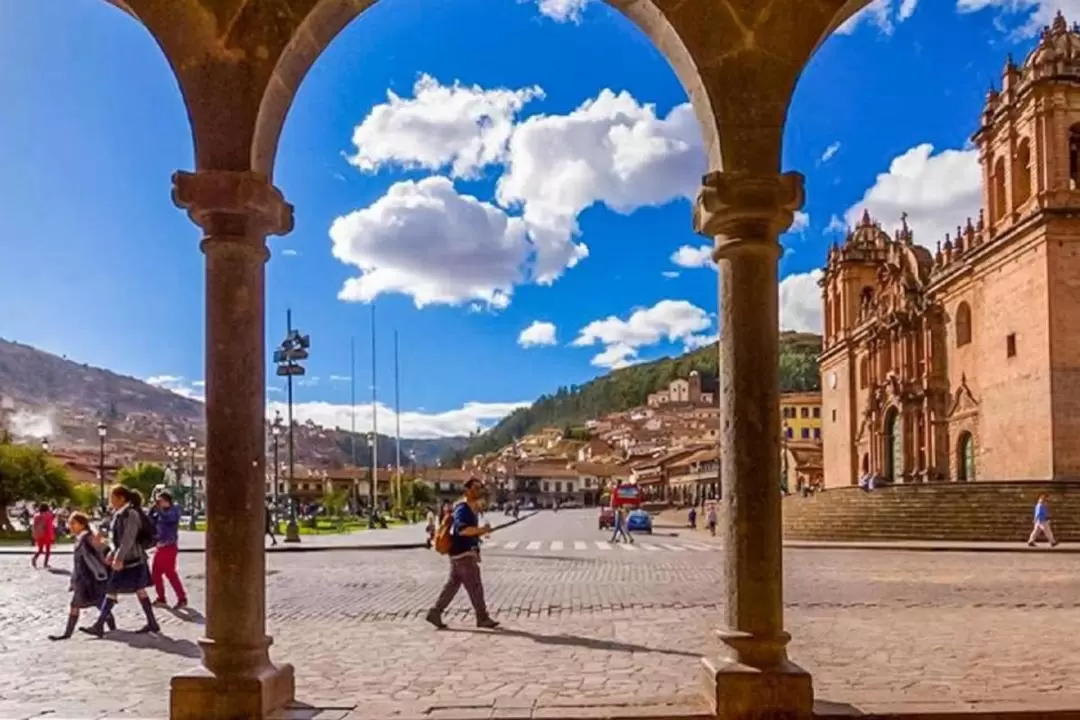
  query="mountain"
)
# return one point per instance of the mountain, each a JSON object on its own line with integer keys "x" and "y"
{"x": 44, "y": 395}
{"x": 629, "y": 387}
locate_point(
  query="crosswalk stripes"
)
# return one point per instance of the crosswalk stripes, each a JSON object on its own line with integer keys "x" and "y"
{"x": 538, "y": 546}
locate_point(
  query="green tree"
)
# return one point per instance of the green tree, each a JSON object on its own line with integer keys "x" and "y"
{"x": 335, "y": 502}
{"x": 85, "y": 497}
{"x": 28, "y": 473}
{"x": 143, "y": 477}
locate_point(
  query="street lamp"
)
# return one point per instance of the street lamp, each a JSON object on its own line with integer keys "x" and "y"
{"x": 275, "y": 433}
{"x": 293, "y": 349}
{"x": 191, "y": 446}
{"x": 373, "y": 480}
{"x": 102, "y": 431}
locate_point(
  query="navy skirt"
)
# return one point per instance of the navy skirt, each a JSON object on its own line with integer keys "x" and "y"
{"x": 131, "y": 578}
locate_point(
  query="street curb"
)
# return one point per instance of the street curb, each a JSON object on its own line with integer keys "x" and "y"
{"x": 281, "y": 547}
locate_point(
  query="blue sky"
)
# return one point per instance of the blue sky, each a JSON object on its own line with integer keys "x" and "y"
{"x": 463, "y": 235}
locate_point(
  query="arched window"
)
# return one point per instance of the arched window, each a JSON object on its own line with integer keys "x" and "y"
{"x": 998, "y": 199}
{"x": 962, "y": 323}
{"x": 1022, "y": 173}
{"x": 836, "y": 324}
{"x": 965, "y": 457}
{"x": 1074, "y": 157}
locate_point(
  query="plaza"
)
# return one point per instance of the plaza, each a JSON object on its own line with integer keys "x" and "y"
{"x": 587, "y": 633}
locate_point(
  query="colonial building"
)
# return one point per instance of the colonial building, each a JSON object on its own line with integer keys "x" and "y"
{"x": 800, "y": 413}
{"x": 964, "y": 363}
{"x": 691, "y": 390}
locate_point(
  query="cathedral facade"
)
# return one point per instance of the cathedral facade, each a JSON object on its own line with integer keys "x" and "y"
{"x": 963, "y": 363}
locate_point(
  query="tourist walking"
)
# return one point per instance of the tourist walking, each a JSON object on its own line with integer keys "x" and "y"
{"x": 89, "y": 575}
{"x": 166, "y": 517}
{"x": 271, "y": 524}
{"x": 692, "y": 517}
{"x": 1042, "y": 522}
{"x": 459, "y": 537}
{"x": 132, "y": 535}
{"x": 710, "y": 519}
{"x": 619, "y": 521}
{"x": 430, "y": 527}
{"x": 43, "y": 530}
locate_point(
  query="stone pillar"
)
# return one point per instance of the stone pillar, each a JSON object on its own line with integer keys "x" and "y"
{"x": 745, "y": 214}
{"x": 236, "y": 211}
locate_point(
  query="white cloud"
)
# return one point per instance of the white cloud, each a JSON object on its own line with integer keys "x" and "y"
{"x": 673, "y": 320}
{"x": 425, "y": 240}
{"x": 177, "y": 384}
{"x": 689, "y": 256}
{"x": 830, "y": 152}
{"x": 800, "y": 302}
{"x": 670, "y": 274}
{"x": 938, "y": 192}
{"x": 465, "y": 128}
{"x": 290, "y": 253}
{"x": 414, "y": 424}
{"x": 1025, "y": 17}
{"x": 538, "y": 333}
{"x": 611, "y": 150}
{"x": 562, "y": 10}
{"x": 836, "y": 225}
{"x": 882, "y": 14}
{"x": 340, "y": 378}
{"x": 800, "y": 222}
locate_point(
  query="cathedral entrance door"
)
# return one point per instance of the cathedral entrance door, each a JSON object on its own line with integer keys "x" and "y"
{"x": 967, "y": 458}
{"x": 894, "y": 447}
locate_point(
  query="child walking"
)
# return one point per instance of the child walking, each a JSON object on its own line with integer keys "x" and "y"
{"x": 88, "y": 575}
{"x": 43, "y": 528}
{"x": 128, "y": 560}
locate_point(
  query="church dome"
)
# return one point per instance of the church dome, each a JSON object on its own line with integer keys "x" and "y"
{"x": 868, "y": 234}
{"x": 1058, "y": 51}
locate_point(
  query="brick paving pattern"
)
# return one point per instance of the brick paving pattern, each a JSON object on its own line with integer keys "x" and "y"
{"x": 615, "y": 628}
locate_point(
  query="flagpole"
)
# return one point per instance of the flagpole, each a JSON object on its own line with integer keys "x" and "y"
{"x": 373, "y": 485}
{"x": 397, "y": 420}
{"x": 352, "y": 420}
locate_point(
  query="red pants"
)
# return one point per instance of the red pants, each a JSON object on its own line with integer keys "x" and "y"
{"x": 164, "y": 566}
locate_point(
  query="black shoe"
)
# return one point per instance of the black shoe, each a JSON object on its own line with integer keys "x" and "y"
{"x": 435, "y": 618}
{"x": 148, "y": 629}
{"x": 95, "y": 630}
{"x": 54, "y": 638}
{"x": 487, "y": 624}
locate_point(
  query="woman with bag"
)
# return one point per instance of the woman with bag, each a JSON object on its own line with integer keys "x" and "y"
{"x": 88, "y": 575}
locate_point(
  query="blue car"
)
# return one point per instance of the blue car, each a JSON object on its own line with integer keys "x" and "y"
{"x": 639, "y": 521}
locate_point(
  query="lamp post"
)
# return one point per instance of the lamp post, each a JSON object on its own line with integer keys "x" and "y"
{"x": 191, "y": 466}
{"x": 287, "y": 357}
{"x": 102, "y": 431}
{"x": 275, "y": 433}
{"x": 373, "y": 480}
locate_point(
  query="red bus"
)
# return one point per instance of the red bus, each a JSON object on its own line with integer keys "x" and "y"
{"x": 623, "y": 495}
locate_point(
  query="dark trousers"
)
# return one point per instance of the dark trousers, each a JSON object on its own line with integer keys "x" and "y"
{"x": 464, "y": 570}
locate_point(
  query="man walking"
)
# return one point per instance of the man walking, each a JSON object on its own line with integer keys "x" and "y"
{"x": 1042, "y": 522}
{"x": 620, "y": 526}
{"x": 166, "y": 517}
{"x": 271, "y": 524}
{"x": 465, "y": 534}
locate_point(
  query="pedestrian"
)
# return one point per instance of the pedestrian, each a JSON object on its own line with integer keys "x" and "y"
{"x": 132, "y": 534}
{"x": 1042, "y": 522}
{"x": 43, "y": 530}
{"x": 271, "y": 524}
{"x": 166, "y": 517}
{"x": 464, "y": 532}
{"x": 430, "y": 526}
{"x": 619, "y": 522}
{"x": 710, "y": 519}
{"x": 692, "y": 516}
{"x": 89, "y": 575}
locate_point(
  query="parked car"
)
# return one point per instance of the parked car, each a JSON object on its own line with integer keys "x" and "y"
{"x": 607, "y": 518}
{"x": 639, "y": 521}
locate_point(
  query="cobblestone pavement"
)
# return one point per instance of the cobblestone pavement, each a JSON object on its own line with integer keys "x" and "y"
{"x": 610, "y": 627}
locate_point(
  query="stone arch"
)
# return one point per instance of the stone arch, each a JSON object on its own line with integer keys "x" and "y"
{"x": 962, "y": 324}
{"x": 965, "y": 457}
{"x": 329, "y": 17}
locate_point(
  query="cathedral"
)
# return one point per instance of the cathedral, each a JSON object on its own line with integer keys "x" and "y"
{"x": 964, "y": 364}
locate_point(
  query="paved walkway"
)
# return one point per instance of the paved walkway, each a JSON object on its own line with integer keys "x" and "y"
{"x": 400, "y": 537}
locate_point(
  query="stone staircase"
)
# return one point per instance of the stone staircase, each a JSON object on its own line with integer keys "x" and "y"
{"x": 979, "y": 511}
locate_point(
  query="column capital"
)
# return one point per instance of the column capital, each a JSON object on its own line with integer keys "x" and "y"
{"x": 747, "y": 207}
{"x": 232, "y": 203}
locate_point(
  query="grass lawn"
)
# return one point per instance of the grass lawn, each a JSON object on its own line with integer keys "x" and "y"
{"x": 324, "y": 526}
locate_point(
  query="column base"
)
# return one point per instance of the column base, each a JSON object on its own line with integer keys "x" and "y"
{"x": 200, "y": 695}
{"x": 741, "y": 692}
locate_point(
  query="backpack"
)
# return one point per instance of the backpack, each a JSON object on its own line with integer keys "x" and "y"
{"x": 147, "y": 537}
{"x": 444, "y": 538}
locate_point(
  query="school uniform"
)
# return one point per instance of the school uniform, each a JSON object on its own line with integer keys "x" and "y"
{"x": 135, "y": 573}
{"x": 89, "y": 575}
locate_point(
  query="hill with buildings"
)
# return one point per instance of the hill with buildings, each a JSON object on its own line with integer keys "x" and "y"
{"x": 630, "y": 387}
{"x": 47, "y": 396}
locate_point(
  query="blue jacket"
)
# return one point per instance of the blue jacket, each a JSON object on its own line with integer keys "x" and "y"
{"x": 463, "y": 517}
{"x": 167, "y": 524}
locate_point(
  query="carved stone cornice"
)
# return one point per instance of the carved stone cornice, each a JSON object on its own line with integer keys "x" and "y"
{"x": 742, "y": 208}
{"x": 234, "y": 204}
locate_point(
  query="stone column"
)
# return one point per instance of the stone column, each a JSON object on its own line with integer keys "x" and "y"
{"x": 236, "y": 211}
{"x": 745, "y": 214}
